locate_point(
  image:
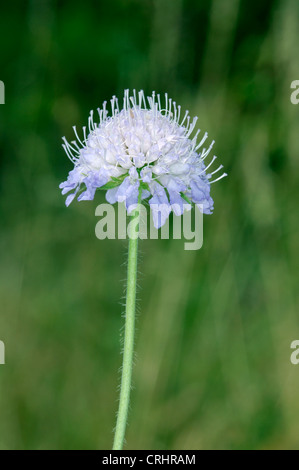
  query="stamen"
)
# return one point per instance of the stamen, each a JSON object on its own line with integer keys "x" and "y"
{"x": 220, "y": 178}
{"x": 72, "y": 148}
{"x": 76, "y": 134}
{"x": 113, "y": 106}
{"x": 192, "y": 126}
{"x": 202, "y": 141}
{"x": 126, "y": 100}
{"x": 78, "y": 150}
{"x": 205, "y": 153}
{"x": 166, "y": 104}
{"x": 105, "y": 112}
{"x": 179, "y": 114}
{"x": 170, "y": 105}
{"x": 100, "y": 113}
{"x": 208, "y": 166}
{"x": 185, "y": 117}
{"x": 216, "y": 171}
{"x": 154, "y": 98}
{"x": 90, "y": 122}
{"x": 159, "y": 102}
{"x": 84, "y": 133}
{"x": 68, "y": 150}
{"x": 188, "y": 123}
{"x": 175, "y": 112}
{"x": 141, "y": 99}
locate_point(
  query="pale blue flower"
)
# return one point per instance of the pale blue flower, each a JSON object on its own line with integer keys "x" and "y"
{"x": 139, "y": 148}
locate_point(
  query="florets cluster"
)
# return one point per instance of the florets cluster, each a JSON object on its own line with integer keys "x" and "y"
{"x": 144, "y": 151}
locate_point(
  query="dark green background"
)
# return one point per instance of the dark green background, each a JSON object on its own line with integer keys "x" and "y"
{"x": 213, "y": 366}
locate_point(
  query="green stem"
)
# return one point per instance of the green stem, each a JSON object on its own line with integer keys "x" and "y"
{"x": 128, "y": 354}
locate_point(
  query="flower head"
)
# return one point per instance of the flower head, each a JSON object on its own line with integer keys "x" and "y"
{"x": 142, "y": 150}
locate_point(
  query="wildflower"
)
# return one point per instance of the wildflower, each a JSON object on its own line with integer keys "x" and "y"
{"x": 142, "y": 150}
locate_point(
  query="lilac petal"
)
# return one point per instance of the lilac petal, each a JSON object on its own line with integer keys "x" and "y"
{"x": 207, "y": 206}
{"x": 87, "y": 195}
{"x": 179, "y": 168}
{"x": 73, "y": 179}
{"x": 70, "y": 198}
{"x": 67, "y": 189}
{"x": 124, "y": 161}
{"x": 98, "y": 179}
{"x": 133, "y": 173}
{"x": 111, "y": 195}
{"x": 172, "y": 183}
{"x": 139, "y": 160}
{"x": 123, "y": 189}
{"x": 127, "y": 190}
{"x": 132, "y": 198}
{"x": 159, "y": 169}
{"x": 145, "y": 194}
{"x": 178, "y": 204}
{"x": 92, "y": 182}
{"x": 146, "y": 175}
{"x": 160, "y": 206}
{"x": 160, "y": 212}
{"x": 199, "y": 190}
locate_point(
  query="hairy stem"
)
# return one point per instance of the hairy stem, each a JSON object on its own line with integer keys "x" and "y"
{"x": 128, "y": 354}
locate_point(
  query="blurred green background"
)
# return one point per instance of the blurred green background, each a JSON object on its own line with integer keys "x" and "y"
{"x": 213, "y": 366}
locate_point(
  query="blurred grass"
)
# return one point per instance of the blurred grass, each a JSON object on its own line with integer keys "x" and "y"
{"x": 215, "y": 326}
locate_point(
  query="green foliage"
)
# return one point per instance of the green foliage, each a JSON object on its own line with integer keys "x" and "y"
{"x": 113, "y": 183}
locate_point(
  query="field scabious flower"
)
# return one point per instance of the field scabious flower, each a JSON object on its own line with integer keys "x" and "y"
{"x": 148, "y": 150}
{"x": 144, "y": 151}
